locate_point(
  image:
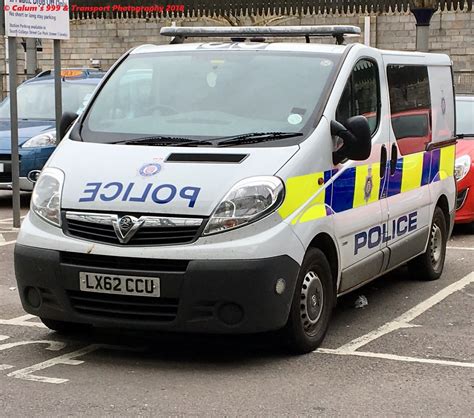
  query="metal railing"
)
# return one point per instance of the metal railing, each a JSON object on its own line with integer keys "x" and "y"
{"x": 259, "y": 7}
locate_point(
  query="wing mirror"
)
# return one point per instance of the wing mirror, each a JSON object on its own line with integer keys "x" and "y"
{"x": 356, "y": 137}
{"x": 67, "y": 120}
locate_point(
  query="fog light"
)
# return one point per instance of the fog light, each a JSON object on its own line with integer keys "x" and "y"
{"x": 33, "y": 297}
{"x": 33, "y": 175}
{"x": 280, "y": 286}
{"x": 230, "y": 313}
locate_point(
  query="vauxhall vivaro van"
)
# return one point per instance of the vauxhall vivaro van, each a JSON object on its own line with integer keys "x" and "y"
{"x": 242, "y": 186}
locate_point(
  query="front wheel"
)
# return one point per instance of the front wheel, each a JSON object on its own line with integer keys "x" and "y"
{"x": 312, "y": 304}
{"x": 429, "y": 265}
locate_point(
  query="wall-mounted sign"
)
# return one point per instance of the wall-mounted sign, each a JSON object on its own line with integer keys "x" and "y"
{"x": 41, "y": 19}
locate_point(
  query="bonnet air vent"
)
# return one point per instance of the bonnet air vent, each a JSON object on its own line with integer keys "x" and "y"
{"x": 206, "y": 158}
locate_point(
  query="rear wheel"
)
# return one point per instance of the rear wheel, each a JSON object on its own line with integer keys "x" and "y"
{"x": 64, "y": 327}
{"x": 430, "y": 264}
{"x": 312, "y": 305}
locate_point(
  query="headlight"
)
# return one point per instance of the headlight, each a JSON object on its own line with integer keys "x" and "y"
{"x": 46, "y": 199}
{"x": 47, "y": 139}
{"x": 249, "y": 200}
{"x": 462, "y": 167}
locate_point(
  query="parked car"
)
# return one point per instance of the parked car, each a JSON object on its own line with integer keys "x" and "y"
{"x": 465, "y": 161}
{"x": 36, "y": 120}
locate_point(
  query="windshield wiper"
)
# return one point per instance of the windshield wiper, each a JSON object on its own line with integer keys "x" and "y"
{"x": 250, "y": 138}
{"x": 164, "y": 141}
{"x": 256, "y": 137}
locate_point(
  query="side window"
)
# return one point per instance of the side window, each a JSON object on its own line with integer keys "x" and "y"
{"x": 410, "y": 106}
{"x": 361, "y": 95}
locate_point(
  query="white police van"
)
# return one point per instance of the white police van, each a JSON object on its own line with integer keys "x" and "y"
{"x": 241, "y": 187}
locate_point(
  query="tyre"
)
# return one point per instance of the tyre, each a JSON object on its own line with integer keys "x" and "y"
{"x": 64, "y": 327}
{"x": 312, "y": 304}
{"x": 429, "y": 265}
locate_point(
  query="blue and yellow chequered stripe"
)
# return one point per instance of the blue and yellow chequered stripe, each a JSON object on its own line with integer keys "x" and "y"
{"x": 348, "y": 190}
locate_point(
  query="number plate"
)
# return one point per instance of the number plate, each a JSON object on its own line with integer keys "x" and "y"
{"x": 119, "y": 285}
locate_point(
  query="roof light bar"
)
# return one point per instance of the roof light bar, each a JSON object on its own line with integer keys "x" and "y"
{"x": 243, "y": 32}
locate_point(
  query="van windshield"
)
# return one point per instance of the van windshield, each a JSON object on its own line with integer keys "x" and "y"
{"x": 209, "y": 94}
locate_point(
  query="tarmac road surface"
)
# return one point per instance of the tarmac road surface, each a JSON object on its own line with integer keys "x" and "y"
{"x": 410, "y": 351}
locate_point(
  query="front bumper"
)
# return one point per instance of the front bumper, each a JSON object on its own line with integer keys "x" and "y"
{"x": 25, "y": 185}
{"x": 207, "y": 296}
{"x": 31, "y": 159}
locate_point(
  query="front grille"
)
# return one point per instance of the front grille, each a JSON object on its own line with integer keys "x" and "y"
{"x": 99, "y": 228}
{"x": 124, "y": 307}
{"x": 461, "y": 198}
{"x": 124, "y": 263}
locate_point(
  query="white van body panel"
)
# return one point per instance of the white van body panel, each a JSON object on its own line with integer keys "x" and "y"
{"x": 286, "y": 162}
{"x": 368, "y": 217}
{"x": 108, "y": 164}
{"x": 442, "y": 99}
{"x": 265, "y": 239}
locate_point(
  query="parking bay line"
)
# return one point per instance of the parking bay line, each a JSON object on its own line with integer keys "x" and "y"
{"x": 23, "y": 321}
{"x": 460, "y": 248}
{"x": 395, "y": 357}
{"x": 403, "y": 321}
{"x": 10, "y": 219}
{"x": 4, "y": 243}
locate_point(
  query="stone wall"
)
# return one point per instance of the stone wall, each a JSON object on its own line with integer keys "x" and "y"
{"x": 107, "y": 39}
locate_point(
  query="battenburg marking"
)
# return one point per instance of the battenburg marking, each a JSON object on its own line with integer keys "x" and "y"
{"x": 382, "y": 233}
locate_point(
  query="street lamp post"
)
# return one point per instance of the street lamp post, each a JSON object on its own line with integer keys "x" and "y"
{"x": 423, "y": 11}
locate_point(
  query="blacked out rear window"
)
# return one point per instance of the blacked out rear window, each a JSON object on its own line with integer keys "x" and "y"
{"x": 410, "y": 126}
{"x": 410, "y": 106}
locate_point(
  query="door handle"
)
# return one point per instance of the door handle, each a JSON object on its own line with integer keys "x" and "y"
{"x": 383, "y": 161}
{"x": 393, "y": 159}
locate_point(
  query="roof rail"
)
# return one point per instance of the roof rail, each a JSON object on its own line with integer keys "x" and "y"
{"x": 241, "y": 33}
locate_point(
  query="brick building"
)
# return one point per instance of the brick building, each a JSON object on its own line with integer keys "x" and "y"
{"x": 105, "y": 38}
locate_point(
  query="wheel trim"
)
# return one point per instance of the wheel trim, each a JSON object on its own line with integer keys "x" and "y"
{"x": 312, "y": 302}
{"x": 436, "y": 246}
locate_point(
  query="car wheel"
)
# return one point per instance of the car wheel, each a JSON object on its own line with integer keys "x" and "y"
{"x": 429, "y": 265}
{"x": 312, "y": 304}
{"x": 64, "y": 327}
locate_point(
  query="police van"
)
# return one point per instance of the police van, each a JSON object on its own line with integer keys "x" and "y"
{"x": 242, "y": 186}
